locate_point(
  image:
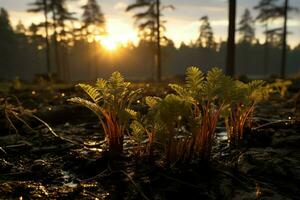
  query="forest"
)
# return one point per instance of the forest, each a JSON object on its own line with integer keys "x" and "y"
{"x": 71, "y": 47}
{"x": 86, "y": 115}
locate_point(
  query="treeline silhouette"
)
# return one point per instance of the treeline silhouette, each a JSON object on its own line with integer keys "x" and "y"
{"x": 75, "y": 53}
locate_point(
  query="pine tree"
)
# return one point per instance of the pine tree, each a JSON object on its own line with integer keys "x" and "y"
{"x": 206, "y": 37}
{"x": 284, "y": 45}
{"x": 7, "y": 42}
{"x": 20, "y": 28}
{"x": 43, "y": 6}
{"x": 93, "y": 20}
{"x": 151, "y": 26}
{"x": 60, "y": 15}
{"x": 270, "y": 10}
{"x": 93, "y": 24}
{"x": 146, "y": 19}
{"x": 35, "y": 41}
{"x": 230, "y": 62}
{"x": 246, "y": 27}
{"x": 53, "y": 7}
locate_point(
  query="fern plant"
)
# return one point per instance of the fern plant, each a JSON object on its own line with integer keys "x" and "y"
{"x": 244, "y": 98}
{"x": 237, "y": 113}
{"x": 143, "y": 133}
{"x": 160, "y": 125}
{"x": 169, "y": 115}
{"x": 111, "y": 101}
{"x": 208, "y": 95}
{"x": 187, "y": 119}
{"x": 279, "y": 86}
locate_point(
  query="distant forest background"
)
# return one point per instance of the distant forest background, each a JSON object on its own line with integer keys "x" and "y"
{"x": 74, "y": 56}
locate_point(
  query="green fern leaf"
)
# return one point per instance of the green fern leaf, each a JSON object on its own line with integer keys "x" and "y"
{"x": 194, "y": 79}
{"x": 133, "y": 114}
{"x": 214, "y": 83}
{"x": 178, "y": 89}
{"x": 152, "y": 101}
{"x": 91, "y": 91}
{"x": 88, "y": 104}
{"x": 116, "y": 80}
{"x": 101, "y": 84}
{"x": 137, "y": 127}
{"x": 138, "y": 132}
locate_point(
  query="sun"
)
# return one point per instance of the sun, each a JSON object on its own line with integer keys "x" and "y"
{"x": 109, "y": 43}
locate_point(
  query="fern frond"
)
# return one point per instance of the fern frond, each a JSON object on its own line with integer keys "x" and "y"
{"x": 133, "y": 114}
{"x": 178, "y": 89}
{"x": 137, "y": 127}
{"x": 88, "y": 104}
{"x": 214, "y": 82}
{"x": 194, "y": 78}
{"x": 124, "y": 116}
{"x": 138, "y": 132}
{"x": 152, "y": 101}
{"x": 91, "y": 91}
{"x": 257, "y": 92}
{"x": 282, "y": 86}
{"x": 101, "y": 84}
{"x": 256, "y": 84}
{"x": 116, "y": 80}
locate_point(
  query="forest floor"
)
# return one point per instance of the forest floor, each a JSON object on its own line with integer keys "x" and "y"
{"x": 37, "y": 164}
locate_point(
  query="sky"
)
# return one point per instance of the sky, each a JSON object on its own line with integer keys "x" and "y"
{"x": 182, "y": 23}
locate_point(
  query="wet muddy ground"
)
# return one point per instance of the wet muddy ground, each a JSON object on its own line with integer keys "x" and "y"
{"x": 36, "y": 164}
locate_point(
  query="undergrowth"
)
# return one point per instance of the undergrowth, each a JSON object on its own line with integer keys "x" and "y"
{"x": 180, "y": 126}
{"x": 111, "y": 101}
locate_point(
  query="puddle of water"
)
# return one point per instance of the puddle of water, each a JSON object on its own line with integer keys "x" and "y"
{"x": 222, "y": 136}
{"x": 67, "y": 180}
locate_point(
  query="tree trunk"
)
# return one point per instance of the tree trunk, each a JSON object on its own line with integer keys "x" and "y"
{"x": 56, "y": 50}
{"x": 158, "y": 53}
{"x": 283, "y": 56}
{"x": 266, "y": 51}
{"x": 48, "y": 63}
{"x": 230, "y": 64}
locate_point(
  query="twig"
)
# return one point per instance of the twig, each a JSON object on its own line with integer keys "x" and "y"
{"x": 132, "y": 181}
{"x": 92, "y": 194}
{"x": 22, "y": 111}
{"x": 21, "y": 120}
{"x": 2, "y": 150}
{"x": 94, "y": 177}
{"x": 9, "y": 121}
{"x": 52, "y": 131}
{"x": 136, "y": 186}
{"x": 180, "y": 181}
{"x": 15, "y": 175}
{"x": 271, "y": 123}
{"x": 235, "y": 178}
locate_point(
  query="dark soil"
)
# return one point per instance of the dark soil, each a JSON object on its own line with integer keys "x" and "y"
{"x": 35, "y": 164}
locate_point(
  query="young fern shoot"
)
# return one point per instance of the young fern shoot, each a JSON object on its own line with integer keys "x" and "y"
{"x": 244, "y": 98}
{"x": 207, "y": 95}
{"x": 111, "y": 101}
{"x": 238, "y": 112}
{"x": 189, "y": 117}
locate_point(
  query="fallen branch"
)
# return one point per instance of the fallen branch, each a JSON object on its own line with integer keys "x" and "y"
{"x": 135, "y": 184}
{"x": 95, "y": 177}
{"x": 52, "y": 131}
{"x": 234, "y": 178}
{"x": 2, "y": 150}
{"x": 271, "y": 123}
{"x": 131, "y": 180}
{"x": 181, "y": 182}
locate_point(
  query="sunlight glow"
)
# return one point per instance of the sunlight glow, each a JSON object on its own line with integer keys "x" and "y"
{"x": 109, "y": 43}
